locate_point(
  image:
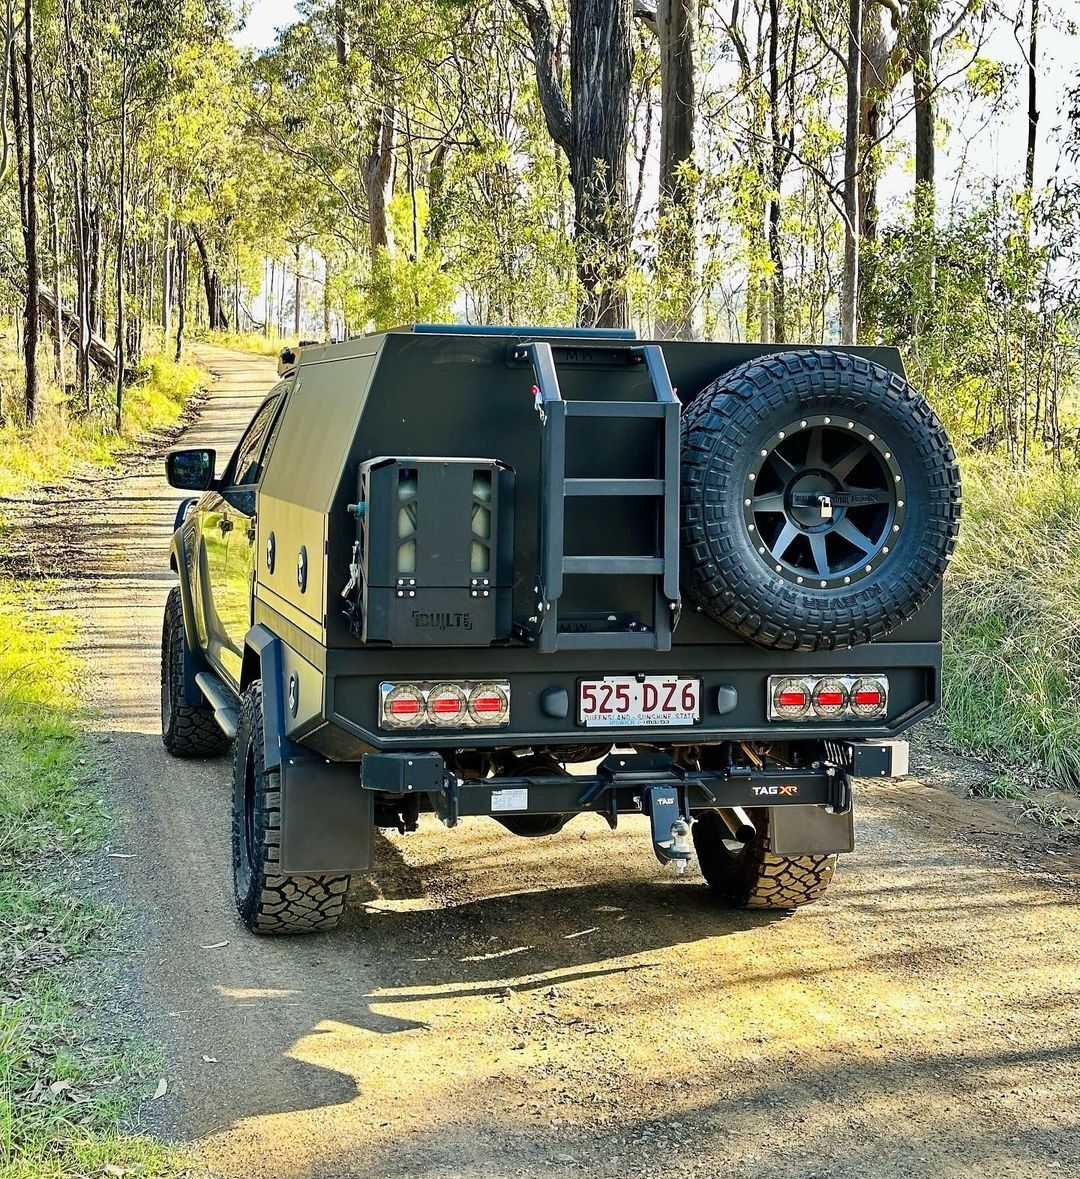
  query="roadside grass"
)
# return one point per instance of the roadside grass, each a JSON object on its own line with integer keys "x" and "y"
{"x": 65, "y": 1082}
{"x": 67, "y": 1076}
{"x": 1011, "y": 683}
{"x": 63, "y": 439}
{"x": 254, "y": 342}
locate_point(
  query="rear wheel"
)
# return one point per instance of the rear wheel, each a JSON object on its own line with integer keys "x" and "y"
{"x": 267, "y": 901}
{"x": 187, "y": 730}
{"x": 750, "y": 875}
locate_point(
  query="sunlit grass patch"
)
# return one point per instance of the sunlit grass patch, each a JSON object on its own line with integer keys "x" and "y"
{"x": 254, "y": 342}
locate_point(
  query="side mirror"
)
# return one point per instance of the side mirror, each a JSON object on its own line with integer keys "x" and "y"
{"x": 191, "y": 470}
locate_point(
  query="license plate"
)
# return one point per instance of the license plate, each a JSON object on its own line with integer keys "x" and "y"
{"x": 627, "y": 701}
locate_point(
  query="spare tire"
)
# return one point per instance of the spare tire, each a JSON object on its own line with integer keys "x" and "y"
{"x": 820, "y": 500}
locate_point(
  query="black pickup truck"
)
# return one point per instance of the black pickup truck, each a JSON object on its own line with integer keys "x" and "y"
{"x": 531, "y": 573}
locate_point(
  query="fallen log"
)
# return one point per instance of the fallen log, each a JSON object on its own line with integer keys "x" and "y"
{"x": 102, "y": 357}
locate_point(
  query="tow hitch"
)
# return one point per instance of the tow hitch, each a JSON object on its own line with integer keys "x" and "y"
{"x": 668, "y": 817}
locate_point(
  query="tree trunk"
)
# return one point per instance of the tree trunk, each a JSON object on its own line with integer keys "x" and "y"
{"x": 922, "y": 78}
{"x": 182, "y": 286}
{"x": 849, "y": 295}
{"x": 167, "y": 277}
{"x": 216, "y": 319}
{"x": 593, "y": 132}
{"x": 675, "y": 20}
{"x": 297, "y": 292}
{"x": 378, "y": 172}
{"x": 27, "y": 166}
{"x": 875, "y": 86}
{"x": 600, "y": 68}
{"x": 58, "y": 323}
{"x": 97, "y": 266}
{"x": 121, "y": 242}
{"x": 776, "y": 179}
{"x": 1032, "y": 99}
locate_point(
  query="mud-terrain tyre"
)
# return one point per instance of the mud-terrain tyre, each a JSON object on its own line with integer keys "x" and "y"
{"x": 267, "y": 901}
{"x": 749, "y": 875}
{"x": 763, "y": 552}
{"x": 187, "y": 730}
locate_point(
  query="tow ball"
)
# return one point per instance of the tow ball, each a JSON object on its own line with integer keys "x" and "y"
{"x": 670, "y": 829}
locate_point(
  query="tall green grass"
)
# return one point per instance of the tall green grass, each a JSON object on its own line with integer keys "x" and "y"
{"x": 1012, "y": 619}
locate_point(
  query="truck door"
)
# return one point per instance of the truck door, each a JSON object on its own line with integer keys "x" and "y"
{"x": 231, "y": 579}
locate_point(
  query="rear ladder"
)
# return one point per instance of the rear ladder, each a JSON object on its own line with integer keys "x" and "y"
{"x": 542, "y": 630}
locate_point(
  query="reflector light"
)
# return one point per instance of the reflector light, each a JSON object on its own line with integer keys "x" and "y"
{"x": 489, "y": 704}
{"x": 868, "y": 697}
{"x": 830, "y": 698}
{"x": 446, "y": 702}
{"x": 403, "y": 706}
{"x": 827, "y": 697}
{"x": 445, "y": 705}
{"x": 790, "y": 699}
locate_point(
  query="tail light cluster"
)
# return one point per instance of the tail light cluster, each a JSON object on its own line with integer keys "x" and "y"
{"x": 835, "y": 697}
{"x": 445, "y": 705}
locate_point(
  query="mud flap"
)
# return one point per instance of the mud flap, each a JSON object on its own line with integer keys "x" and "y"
{"x": 810, "y": 831}
{"x": 327, "y": 818}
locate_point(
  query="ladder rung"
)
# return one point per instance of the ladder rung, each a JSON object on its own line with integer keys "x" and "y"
{"x": 616, "y": 565}
{"x": 615, "y": 409}
{"x": 613, "y": 487}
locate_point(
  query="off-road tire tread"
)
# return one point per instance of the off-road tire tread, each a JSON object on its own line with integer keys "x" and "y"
{"x": 771, "y": 611}
{"x": 277, "y": 904}
{"x": 758, "y": 878}
{"x": 192, "y": 730}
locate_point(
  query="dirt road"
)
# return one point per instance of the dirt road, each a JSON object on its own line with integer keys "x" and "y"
{"x": 501, "y": 1007}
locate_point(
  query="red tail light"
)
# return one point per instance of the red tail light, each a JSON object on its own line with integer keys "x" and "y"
{"x": 827, "y": 697}
{"x": 456, "y": 705}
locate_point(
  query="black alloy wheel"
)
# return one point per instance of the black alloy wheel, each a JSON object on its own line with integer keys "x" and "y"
{"x": 824, "y": 501}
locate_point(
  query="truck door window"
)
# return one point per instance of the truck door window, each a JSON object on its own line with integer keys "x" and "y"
{"x": 246, "y": 467}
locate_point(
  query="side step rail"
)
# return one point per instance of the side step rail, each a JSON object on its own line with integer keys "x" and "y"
{"x": 556, "y": 488}
{"x": 222, "y": 701}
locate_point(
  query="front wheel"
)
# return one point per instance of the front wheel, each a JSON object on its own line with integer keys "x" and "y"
{"x": 267, "y": 901}
{"x": 187, "y": 730}
{"x": 750, "y": 875}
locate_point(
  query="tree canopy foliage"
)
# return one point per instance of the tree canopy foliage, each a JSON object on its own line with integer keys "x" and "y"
{"x": 692, "y": 167}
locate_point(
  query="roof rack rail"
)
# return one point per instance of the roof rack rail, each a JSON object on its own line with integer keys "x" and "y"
{"x": 567, "y": 333}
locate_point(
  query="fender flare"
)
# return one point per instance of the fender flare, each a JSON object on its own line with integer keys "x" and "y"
{"x": 262, "y": 660}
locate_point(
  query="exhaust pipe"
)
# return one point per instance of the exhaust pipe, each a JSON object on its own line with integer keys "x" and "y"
{"x": 739, "y": 823}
